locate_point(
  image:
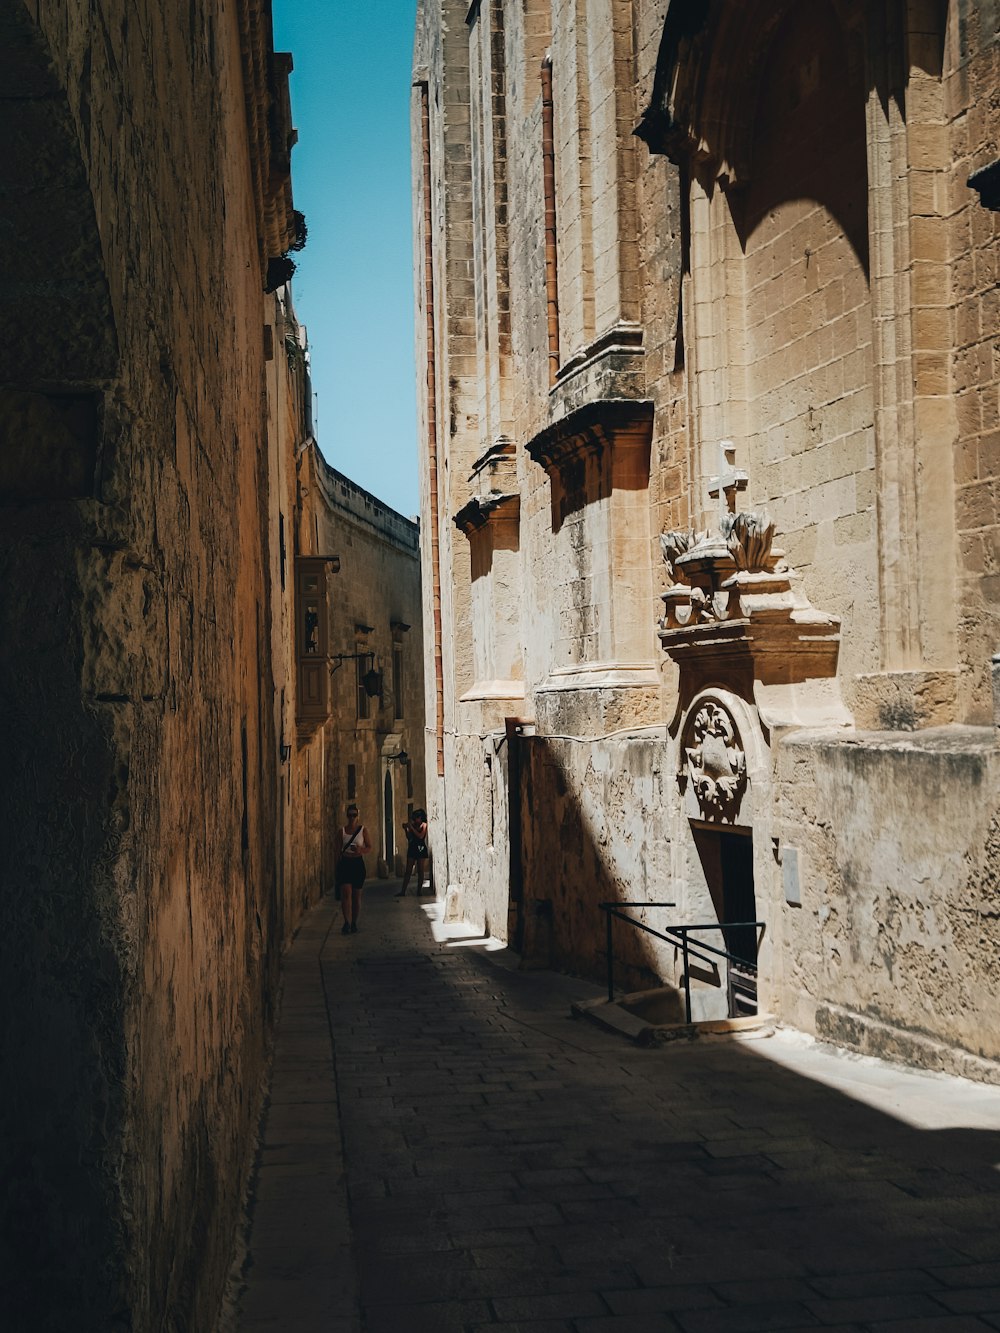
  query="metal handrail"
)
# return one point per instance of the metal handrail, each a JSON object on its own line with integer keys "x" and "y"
{"x": 676, "y": 935}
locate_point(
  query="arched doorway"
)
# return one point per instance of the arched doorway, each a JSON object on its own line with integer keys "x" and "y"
{"x": 720, "y": 763}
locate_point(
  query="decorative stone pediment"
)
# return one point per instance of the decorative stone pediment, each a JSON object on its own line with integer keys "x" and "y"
{"x": 735, "y": 610}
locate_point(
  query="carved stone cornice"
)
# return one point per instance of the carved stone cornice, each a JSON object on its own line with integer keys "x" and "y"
{"x": 658, "y": 129}
{"x": 610, "y": 368}
{"x": 590, "y": 430}
{"x": 482, "y": 508}
{"x": 494, "y": 473}
{"x": 711, "y": 60}
{"x": 621, "y": 340}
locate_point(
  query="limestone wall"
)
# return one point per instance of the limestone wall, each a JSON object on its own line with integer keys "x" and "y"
{"x": 793, "y": 262}
{"x": 304, "y": 853}
{"x": 142, "y": 919}
{"x": 375, "y": 608}
{"x": 970, "y": 244}
{"x": 893, "y": 946}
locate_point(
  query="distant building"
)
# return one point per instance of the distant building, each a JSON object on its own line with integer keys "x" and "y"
{"x": 706, "y": 346}
{"x": 374, "y": 656}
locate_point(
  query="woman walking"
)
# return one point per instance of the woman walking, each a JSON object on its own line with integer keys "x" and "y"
{"x": 351, "y": 868}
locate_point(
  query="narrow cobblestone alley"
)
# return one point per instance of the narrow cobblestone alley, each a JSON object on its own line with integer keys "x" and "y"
{"x": 463, "y": 1155}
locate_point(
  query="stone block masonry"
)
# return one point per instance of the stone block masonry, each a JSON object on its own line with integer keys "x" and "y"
{"x": 144, "y": 195}
{"x": 767, "y": 233}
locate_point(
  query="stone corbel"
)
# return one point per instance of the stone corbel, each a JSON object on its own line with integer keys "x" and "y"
{"x": 590, "y": 430}
{"x": 708, "y": 69}
{"x": 482, "y": 508}
{"x": 683, "y": 35}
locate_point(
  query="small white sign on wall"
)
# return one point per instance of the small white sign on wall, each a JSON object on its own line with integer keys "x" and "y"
{"x": 790, "y": 876}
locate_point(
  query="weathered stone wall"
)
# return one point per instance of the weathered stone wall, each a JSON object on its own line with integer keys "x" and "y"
{"x": 893, "y": 946}
{"x": 968, "y": 244}
{"x": 142, "y": 921}
{"x": 446, "y": 353}
{"x": 375, "y": 608}
{"x": 802, "y": 270}
{"x": 304, "y": 850}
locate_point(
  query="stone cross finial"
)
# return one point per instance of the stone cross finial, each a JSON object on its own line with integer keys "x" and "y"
{"x": 730, "y": 480}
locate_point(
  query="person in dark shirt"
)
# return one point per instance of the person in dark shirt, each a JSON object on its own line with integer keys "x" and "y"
{"x": 417, "y": 854}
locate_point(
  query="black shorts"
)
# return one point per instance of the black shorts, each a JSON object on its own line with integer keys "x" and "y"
{"x": 351, "y": 870}
{"x": 416, "y": 850}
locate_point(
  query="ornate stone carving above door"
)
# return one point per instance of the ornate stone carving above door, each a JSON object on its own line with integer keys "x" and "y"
{"x": 716, "y": 762}
{"x": 735, "y": 613}
{"x": 722, "y": 760}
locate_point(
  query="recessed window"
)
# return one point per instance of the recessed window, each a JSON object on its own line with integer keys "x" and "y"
{"x": 313, "y": 704}
{"x": 397, "y": 681}
{"x": 363, "y": 665}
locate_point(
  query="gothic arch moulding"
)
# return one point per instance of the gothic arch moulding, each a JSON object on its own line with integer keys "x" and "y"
{"x": 709, "y": 72}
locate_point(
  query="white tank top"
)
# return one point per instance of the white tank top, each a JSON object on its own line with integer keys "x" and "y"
{"x": 355, "y": 839}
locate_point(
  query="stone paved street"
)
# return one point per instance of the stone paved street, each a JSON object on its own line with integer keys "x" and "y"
{"x": 446, "y": 1149}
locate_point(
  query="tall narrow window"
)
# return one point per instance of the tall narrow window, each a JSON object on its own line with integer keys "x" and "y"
{"x": 397, "y": 681}
{"x": 352, "y": 782}
{"x": 488, "y": 152}
{"x": 312, "y": 647}
{"x": 361, "y": 663}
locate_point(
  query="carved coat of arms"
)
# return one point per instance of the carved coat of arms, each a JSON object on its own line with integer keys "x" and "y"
{"x": 716, "y": 763}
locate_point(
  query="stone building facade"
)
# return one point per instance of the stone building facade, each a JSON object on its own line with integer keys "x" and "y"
{"x": 153, "y": 782}
{"x": 708, "y": 379}
{"x": 374, "y": 735}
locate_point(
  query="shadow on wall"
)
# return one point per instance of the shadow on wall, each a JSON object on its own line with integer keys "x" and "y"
{"x": 596, "y": 829}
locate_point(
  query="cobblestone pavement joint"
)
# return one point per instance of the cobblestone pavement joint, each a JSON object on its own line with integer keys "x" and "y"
{"x": 446, "y": 1150}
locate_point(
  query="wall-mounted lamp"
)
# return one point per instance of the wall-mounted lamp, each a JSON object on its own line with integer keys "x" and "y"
{"x": 401, "y": 758}
{"x": 371, "y": 681}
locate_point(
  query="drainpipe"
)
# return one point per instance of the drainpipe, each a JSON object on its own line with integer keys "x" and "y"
{"x": 432, "y": 462}
{"x": 549, "y": 192}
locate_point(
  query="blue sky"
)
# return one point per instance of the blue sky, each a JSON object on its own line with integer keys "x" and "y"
{"x": 351, "y": 177}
